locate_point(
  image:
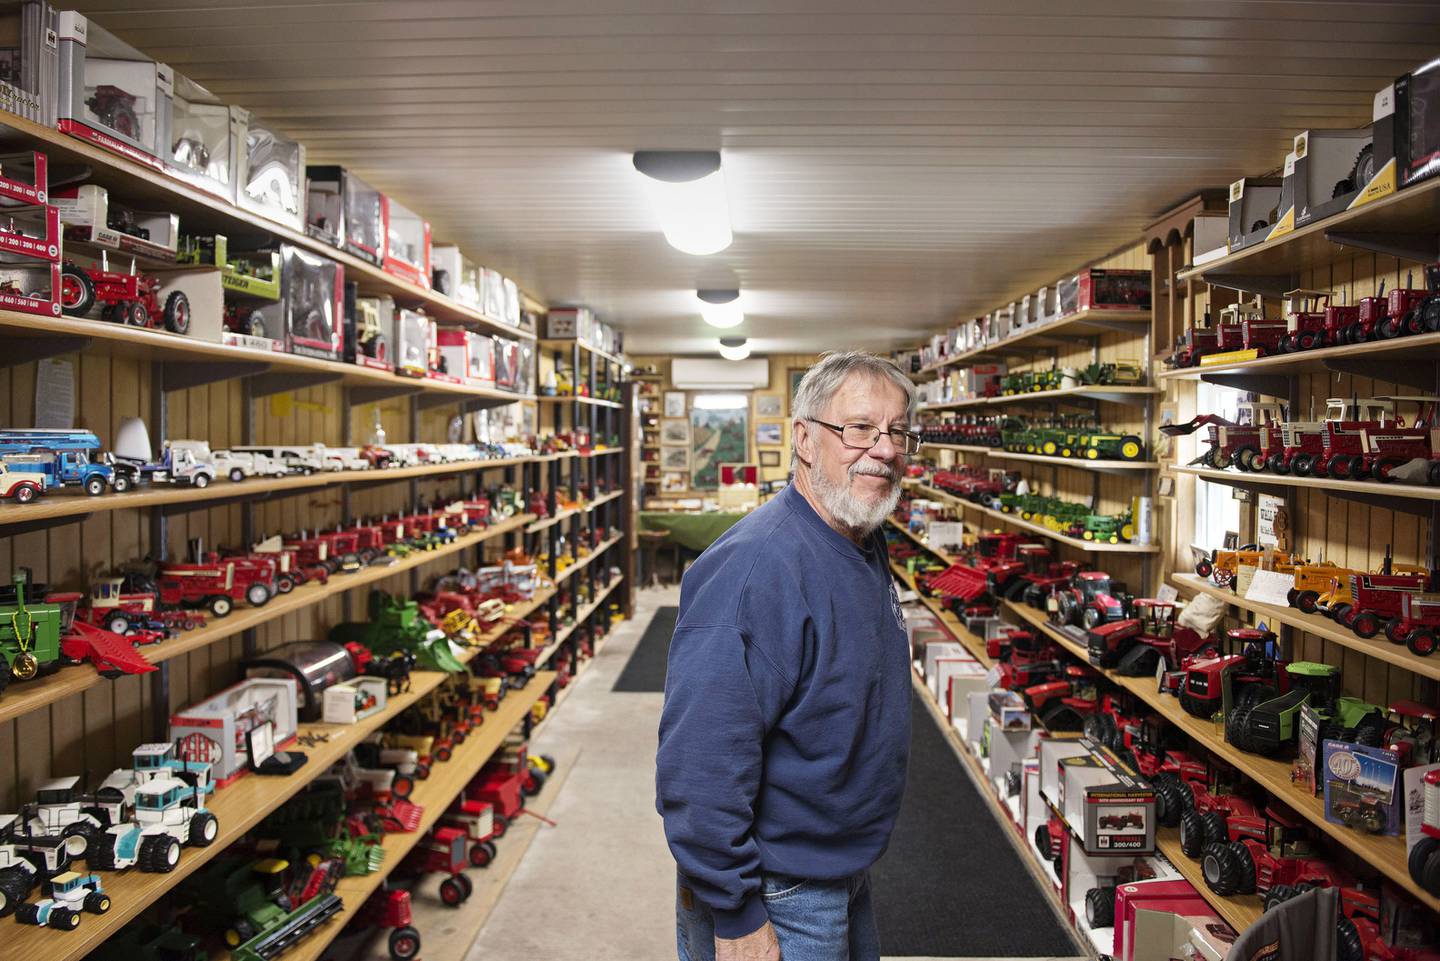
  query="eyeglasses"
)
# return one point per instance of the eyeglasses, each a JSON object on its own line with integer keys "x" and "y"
{"x": 866, "y": 436}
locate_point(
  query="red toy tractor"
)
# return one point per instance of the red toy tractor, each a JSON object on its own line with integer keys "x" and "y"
{"x": 125, "y": 298}
{"x": 1252, "y": 676}
{"x": 443, "y": 851}
{"x": 1090, "y": 599}
{"x": 1064, "y": 703}
{"x": 1259, "y": 853}
{"x": 477, "y": 820}
{"x": 390, "y": 908}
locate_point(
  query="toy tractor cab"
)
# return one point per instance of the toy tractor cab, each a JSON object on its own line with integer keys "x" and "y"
{"x": 1249, "y": 677}
{"x": 1091, "y": 599}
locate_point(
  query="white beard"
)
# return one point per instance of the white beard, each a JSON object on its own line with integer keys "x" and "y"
{"x": 857, "y": 515}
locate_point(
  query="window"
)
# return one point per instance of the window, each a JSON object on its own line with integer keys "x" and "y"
{"x": 1216, "y": 509}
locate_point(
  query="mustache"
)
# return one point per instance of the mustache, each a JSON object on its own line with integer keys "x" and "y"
{"x": 875, "y": 469}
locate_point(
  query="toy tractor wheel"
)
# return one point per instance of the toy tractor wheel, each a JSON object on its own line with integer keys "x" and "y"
{"x": 258, "y": 595}
{"x": 1192, "y": 834}
{"x": 159, "y": 854}
{"x": 1204, "y": 568}
{"x": 500, "y": 825}
{"x": 1236, "y": 726}
{"x": 203, "y": 829}
{"x": 14, "y": 886}
{"x": 1275, "y": 463}
{"x": 404, "y": 943}
{"x": 1395, "y": 630}
{"x": 1348, "y": 945}
{"x": 1430, "y": 314}
{"x": 177, "y": 312}
{"x": 422, "y": 770}
{"x": 1421, "y": 642}
{"x": 1092, "y": 617}
{"x": 137, "y": 315}
{"x": 239, "y": 933}
{"x": 1245, "y": 458}
{"x": 479, "y": 855}
{"x": 97, "y": 902}
{"x": 1389, "y": 328}
{"x": 1279, "y": 894}
{"x": 532, "y": 782}
{"x": 1303, "y": 465}
{"x": 1340, "y": 613}
{"x": 77, "y": 291}
{"x": 79, "y": 838}
{"x": 1365, "y": 624}
{"x": 95, "y": 486}
{"x": 1307, "y": 601}
{"x": 1170, "y": 807}
{"x": 403, "y": 786}
{"x": 452, "y": 892}
{"x": 220, "y": 605}
{"x": 63, "y": 919}
{"x": 284, "y": 584}
{"x": 443, "y": 752}
{"x": 1100, "y": 907}
{"x": 1131, "y": 448}
{"x": 1224, "y": 867}
{"x": 1424, "y": 864}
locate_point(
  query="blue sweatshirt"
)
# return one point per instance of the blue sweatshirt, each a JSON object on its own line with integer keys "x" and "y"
{"x": 786, "y": 724}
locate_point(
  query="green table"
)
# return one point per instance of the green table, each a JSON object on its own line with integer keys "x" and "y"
{"x": 694, "y": 531}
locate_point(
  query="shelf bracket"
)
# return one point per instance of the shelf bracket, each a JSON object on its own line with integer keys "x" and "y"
{"x": 1271, "y": 385}
{"x": 1419, "y": 247}
{"x": 431, "y": 401}
{"x": 22, "y": 350}
{"x": 372, "y": 395}
{"x": 1271, "y": 285}
{"x": 16, "y": 528}
{"x": 180, "y": 376}
{"x": 1419, "y": 376}
{"x": 264, "y": 385}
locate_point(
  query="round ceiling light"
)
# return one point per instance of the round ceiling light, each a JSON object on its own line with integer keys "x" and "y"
{"x": 734, "y": 348}
{"x": 687, "y": 192}
{"x": 721, "y": 308}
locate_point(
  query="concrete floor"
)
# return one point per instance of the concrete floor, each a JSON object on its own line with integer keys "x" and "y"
{"x": 600, "y": 885}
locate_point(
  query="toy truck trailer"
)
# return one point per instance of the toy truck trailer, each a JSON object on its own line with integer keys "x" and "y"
{"x": 63, "y": 456}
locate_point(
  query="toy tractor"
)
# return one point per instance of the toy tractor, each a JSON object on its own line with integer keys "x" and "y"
{"x": 1260, "y": 853}
{"x": 30, "y": 633}
{"x": 1424, "y": 861}
{"x": 443, "y": 851}
{"x": 1207, "y": 801}
{"x": 131, "y": 299}
{"x": 477, "y": 820}
{"x": 1064, "y": 703}
{"x": 261, "y": 912}
{"x": 68, "y": 895}
{"x": 1251, "y": 676}
{"x": 1051, "y": 840}
{"x": 390, "y": 908}
{"x": 1266, "y": 726}
{"x": 1090, "y": 600}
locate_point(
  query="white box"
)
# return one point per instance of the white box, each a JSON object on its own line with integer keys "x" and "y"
{"x": 933, "y": 652}
{"x": 1050, "y": 751}
{"x": 960, "y": 679}
{"x": 354, "y": 700}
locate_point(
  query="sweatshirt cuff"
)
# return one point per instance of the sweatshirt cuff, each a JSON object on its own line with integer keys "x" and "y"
{"x": 746, "y": 919}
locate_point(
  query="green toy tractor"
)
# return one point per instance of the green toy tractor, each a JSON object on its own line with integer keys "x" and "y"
{"x": 1100, "y": 445}
{"x": 29, "y": 633}
{"x": 396, "y": 625}
{"x": 1269, "y": 725}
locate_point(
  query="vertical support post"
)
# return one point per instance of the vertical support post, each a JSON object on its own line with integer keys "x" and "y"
{"x": 414, "y": 484}
{"x": 249, "y": 640}
{"x": 159, "y": 548}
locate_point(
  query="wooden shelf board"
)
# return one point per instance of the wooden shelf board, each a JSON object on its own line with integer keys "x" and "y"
{"x": 1116, "y": 394}
{"x": 1082, "y": 323}
{"x": 1239, "y": 911}
{"x": 1411, "y": 210}
{"x": 585, "y": 561}
{"x": 1386, "y": 854}
{"x": 136, "y": 185}
{"x": 549, "y": 343}
{"x": 1012, "y": 520}
{"x": 74, "y": 504}
{"x": 434, "y": 794}
{"x": 1079, "y": 463}
{"x": 1320, "y": 626}
{"x": 962, "y": 448}
{"x": 22, "y": 698}
{"x": 592, "y": 401}
{"x": 238, "y": 807}
{"x": 1420, "y": 347}
{"x": 1266, "y": 480}
{"x": 946, "y": 558}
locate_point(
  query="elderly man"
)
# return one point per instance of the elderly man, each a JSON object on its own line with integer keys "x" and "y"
{"x": 786, "y": 724}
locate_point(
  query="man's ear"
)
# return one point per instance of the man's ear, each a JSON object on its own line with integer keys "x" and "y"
{"x": 803, "y": 439}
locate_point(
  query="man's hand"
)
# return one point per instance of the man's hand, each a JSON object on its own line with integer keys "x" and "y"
{"x": 757, "y": 946}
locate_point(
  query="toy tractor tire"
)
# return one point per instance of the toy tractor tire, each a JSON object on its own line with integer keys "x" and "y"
{"x": 284, "y": 584}
{"x": 1395, "y": 630}
{"x": 1303, "y": 465}
{"x": 452, "y": 892}
{"x": 1307, "y": 602}
{"x": 1237, "y": 726}
{"x": 80, "y": 838}
{"x": 1192, "y": 834}
{"x": 137, "y": 314}
{"x": 1092, "y": 618}
{"x": 1224, "y": 867}
{"x": 77, "y": 292}
{"x": 101, "y": 857}
{"x": 480, "y": 856}
{"x": 14, "y": 887}
{"x": 177, "y": 312}
{"x": 220, "y": 605}
{"x": 1389, "y": 328}
{"x": 97, "y": 902}
{"x": 1100, "y": 907}
{"x": 1169, "y": 809}
{"x": 1204, "y": 568}
{"x": 532, "y": 782}
{"x": 118, "y": 624}
{"x": 204, "y": 828}
{"x": 159, "y": 854}
{"x": 1348, "y": 944}
{"x": 258, "y": 595}
{"x": 422, "y": 770}
{"x": 1275, "y": 463}
{"x": 404, "y": 943}
{"x": 1421, "y": 642}
{"x": 1340, "y": 613}
{"x": 63, "y": 919}
{"x": 254, "y": 324}
{"x": 1365, "y": 624}
{"x": 1424, "y": 864}
{"x": 239, "y": 932}
{"x": 403, "y": 786}
{"x": 95, "y": 486}
{"x": 500, "y": 825}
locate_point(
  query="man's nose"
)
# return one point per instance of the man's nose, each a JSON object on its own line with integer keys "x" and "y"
{"x": 884, "y": 448}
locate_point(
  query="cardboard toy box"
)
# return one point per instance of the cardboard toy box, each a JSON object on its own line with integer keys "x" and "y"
{"x": 1170, "y": 896}
{"x": 1362, "y": 788}
{"x": 354, "y": 700}
{"x": 215, "y": 728}
{"x": 111, "y": 94}
{"x": 369, "y": 330}
{"x": 414, "y": 338}
{"x": 1110, "y": 808}
{"x": 1336, "y": 170}
{"x": 1095, "y": 289}
{"x": 89, "y": 218}
{"x": 271, "y": 176}
{"x": 345, "y": 212}
{"x": 468, "y": 355}
{"x": 312, "y": 295}
{"x": 455, "y": 275}
{"x": 1009, "y": 709}
{"x": 1052, "y": 750}
{"x": 205, "y": 138}
{"x": 933, "y": 655}
{"x": 407, "y": 243}
{"x": 31, "y": 56}
{"x": 1417, "y": 119}
{"x": 1257, "y": 206}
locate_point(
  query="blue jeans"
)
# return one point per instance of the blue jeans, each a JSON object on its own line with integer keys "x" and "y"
{"x": 814, "y": 920}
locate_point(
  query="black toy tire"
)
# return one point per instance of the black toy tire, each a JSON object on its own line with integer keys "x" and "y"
{"x": 204, "y": 828}
{"x": 1042, "y": 841}
{"x": 1430, "y": 873}
{"x": 137, "y": 315}
{"x": 159, "y": 854}
{"x": 87, "y": 832}
{"x": 1236, "y": 723}
{"x": 63, "y": 919}
{"x": 1365, "y": 625}
{"x": 1213, "y": 826}
{"x": 1192, "y": 834}
{"x": 95, "y": 486}
{"x": 467, "y": 884}
{"x": 1100, "y": 907}
{"x": 97, "y": 902}
{"x": 479, "y": 855}
{"x": 177, "y": 312}
{"x": 404, "y": 943}
{"x": 1306, "y": 602}
{"x": 452, "y": 893}
{"x": 1279, "y": 894}
{"x": 1348, "y": 946}
{"x": 14, "y": 887}
{"x": 1421, "y": 642}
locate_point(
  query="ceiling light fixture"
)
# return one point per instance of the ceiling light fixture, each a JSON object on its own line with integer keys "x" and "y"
{"x": 734, "y": 348}
{"x": 687, "y": 192}
{"x": 721, "y": 308}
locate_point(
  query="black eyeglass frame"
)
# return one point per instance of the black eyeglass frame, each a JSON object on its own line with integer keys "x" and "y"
{"x": 910, "y": 435}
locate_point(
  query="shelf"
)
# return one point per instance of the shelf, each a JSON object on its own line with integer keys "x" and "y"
{"x": 572, "y": 399}
{"x": 1371, "y": 492}
{"x": 1394, "y": 225}
{"x": 585, "y": 561}
{"x": 22, "y": 698}
{"x": 553, "y": 344}
{"x": 434, "y": 794}
{"x": 944, "y": 557}
{"x": 144, "y": 188}
{"x": 1317, "y": 624}
{"x": 962, "y": 634}
{"x": 1239, "y": 910}
{"x": 1080, "y": 463}
{"x": 1084, "y": 324}
{"x": 552, "y": 520}
{"x": 190, "y": 362}
{"x": 1403, "y": 360}
{"x": 1011, "y": 519}
{"x": 67, "y": 503}
{"x": 238, "y": 808}
{"x": 563, "y": 635}
{"x": 1386, "y": 854}
{"x": 1115, "y": 394}
{"x": 962, "y": 448}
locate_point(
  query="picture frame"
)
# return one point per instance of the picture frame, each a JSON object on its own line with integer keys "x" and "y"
{"x": 769, "y": 405}
{"x": 769, "y": 458}
{"x": 717, "y": 436}
{"x": 675, "y": 432}
{"x": 675, "y": 459}
{"x": 769, "y": 433}
{"x": 674, "y": 403}
{"x": 794, "y": 376}
{"x": 674, "y": 482}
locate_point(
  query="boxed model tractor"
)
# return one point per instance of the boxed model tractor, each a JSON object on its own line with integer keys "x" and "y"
{"x": 205, "y": 139}
{"x": 89, "y": 217}
{"x": 1255, "y": 203}
{"x": 216, "y": 729}
{"x": 1095, "y": 289}
{"x": 271, "y": 178}
{"x": 1110, "y": 808}
{"x": 1363, "y": 788}
{"x": 312, "y": 299}
{"x": 407, "y": 243}
{"x": 111, "y": 94}
{"x": 1418, "y": 123}
{"x": 31, "y": 85}
{"x": 455, "y": 275}
{"x": 370, "y": 339}
{"x": 345, "y": 212}
{"x": 1338, "y": 170}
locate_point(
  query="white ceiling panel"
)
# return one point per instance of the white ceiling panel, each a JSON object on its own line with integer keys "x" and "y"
{"x": 890, "y": 166}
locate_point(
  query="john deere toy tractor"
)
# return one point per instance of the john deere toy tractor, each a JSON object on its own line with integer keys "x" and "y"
{"x": 396, "y": 625}
{"x": 1266, "y": 726}
{"x": 29, "y": 633}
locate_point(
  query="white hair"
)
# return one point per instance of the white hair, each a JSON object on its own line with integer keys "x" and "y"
{"x": 824, "y": 380}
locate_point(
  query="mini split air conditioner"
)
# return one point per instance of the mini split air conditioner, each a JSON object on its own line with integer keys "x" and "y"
{"x": 688, "y": 373}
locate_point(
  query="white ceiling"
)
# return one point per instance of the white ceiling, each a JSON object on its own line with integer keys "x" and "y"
{"x": 891, "y": 165}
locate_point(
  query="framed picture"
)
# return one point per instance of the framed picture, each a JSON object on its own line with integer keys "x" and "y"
{"x": 675, "y": 458}
{"x": 717, "y": 436}
{"x": 769, "y": 434}
{"x": 673, "y": 482}
{"x": 674, "y": 403}
{"x": 769, "y": 405}
{"x": 769, "y": 458}
{"x": 797, "y": 374}
{"x": 675, "y": 432}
